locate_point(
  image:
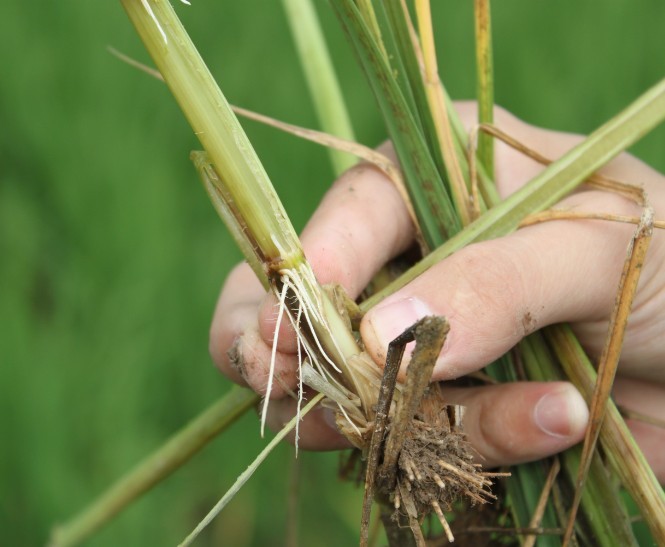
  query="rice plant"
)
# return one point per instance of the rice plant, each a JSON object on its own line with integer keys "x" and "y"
{"x": 454, "y": 204}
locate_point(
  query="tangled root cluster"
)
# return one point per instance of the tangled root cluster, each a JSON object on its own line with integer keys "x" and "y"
{"x": 417, "y": 456}
{"x": 435, "y": 469}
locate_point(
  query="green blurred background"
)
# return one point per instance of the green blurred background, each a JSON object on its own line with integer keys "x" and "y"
{"x": 111, "y": 256}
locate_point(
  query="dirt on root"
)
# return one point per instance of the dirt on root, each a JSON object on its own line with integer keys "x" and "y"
{"x": 435, "y": 465}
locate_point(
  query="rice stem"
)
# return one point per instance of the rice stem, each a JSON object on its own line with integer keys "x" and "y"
{"x": 439, "y": 112}
{"x": 551, "y": 185}
{"x": 320, "y": 75}
{"x": 485, "y": 81}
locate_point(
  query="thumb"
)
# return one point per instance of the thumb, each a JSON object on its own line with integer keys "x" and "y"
{"x": 495, "y": 292}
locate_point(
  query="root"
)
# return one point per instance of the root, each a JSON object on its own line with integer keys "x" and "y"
{"x": 443, "y": 521}
{"x": 435, "y": 474}
{"x": 273, "y": 355}
{"x": 419, "y": 459}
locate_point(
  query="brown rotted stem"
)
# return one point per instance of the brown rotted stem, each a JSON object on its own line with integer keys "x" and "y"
{"x": 429, "y": 334}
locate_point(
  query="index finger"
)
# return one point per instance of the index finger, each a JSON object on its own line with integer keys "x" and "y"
{"x": 359, "y": 226}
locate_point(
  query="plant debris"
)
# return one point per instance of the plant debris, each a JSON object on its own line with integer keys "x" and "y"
{"x": 418, "y": 459}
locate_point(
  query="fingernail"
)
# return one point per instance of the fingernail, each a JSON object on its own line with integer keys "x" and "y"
{"x": 561, "y": 413}
{"x": 390, "y": 320}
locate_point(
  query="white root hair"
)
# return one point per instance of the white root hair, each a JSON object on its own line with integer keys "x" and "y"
{"x": 273, "y": 356}
{"x": 304, "y": 288}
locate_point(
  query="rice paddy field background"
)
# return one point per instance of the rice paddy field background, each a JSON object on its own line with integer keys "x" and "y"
{"x": 111, "y": 256}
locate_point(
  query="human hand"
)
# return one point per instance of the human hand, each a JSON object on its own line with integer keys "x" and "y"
{"x": 493, "y": 293}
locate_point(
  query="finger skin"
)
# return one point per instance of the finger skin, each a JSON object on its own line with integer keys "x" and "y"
{"x": 359, "y": 226}
{"x": 500, "y": 421}
{"x": 494, "y": 293}
{"x": 513, "y": 169}
{"x": 349, "y": 238}
{"x": 642, "y": 354}
{"x": 557, "y": 271}
{"x": 316, "y": 431}
{"x": 235, "y": 313}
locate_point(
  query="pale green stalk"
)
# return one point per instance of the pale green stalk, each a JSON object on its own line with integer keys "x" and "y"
{"x": 435, "y": 211}
{"x": 246, "y": 200}
{"x": 485, "y": 82}
{"x": 245, "y": 187}
{"x": 278, "y": 256}
{"x": 245, "y": 475}
{"x": 552, "y": 184}
{"x": 485, "y": 183}
{"x": 214, "y": 187}
{"x": 439, "y": 111}
{"x": 160, "y": 464}
{"x": 406, "y": 60}
{"x": 320, "y": 76}
{"x": 215, "y": 125}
